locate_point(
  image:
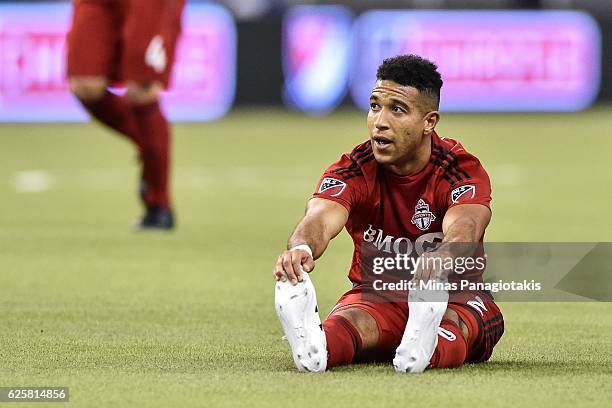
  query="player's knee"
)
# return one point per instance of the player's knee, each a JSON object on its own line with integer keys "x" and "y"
{"x": 365, "y": 325}
{"x": 139, "y": 94}
{"x": 88, "y": 89}
{"x": 453, "y": 316}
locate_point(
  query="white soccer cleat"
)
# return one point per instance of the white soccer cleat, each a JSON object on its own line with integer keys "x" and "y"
{"x": 421, "y": 335}
{"x": 297, "y": 310}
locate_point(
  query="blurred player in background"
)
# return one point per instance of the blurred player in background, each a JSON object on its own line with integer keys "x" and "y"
{"x": 401, "y": 191}
{"x": 131, "y": 42}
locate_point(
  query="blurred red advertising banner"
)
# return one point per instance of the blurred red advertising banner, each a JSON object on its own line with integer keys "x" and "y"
{"x": 33, "y": 86}
{"x": 489, "y": 60}
{"x": 316, "y": 56}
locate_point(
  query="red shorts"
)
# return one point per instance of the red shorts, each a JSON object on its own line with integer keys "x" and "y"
{"x": 124, "y": 40}
{"x": 482, "y": 317}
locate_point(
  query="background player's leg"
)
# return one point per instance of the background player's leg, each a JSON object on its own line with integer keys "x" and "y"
{"x": 155, "y": 145}
{"x": 108, "y": 108}
{"x": 155, "y": 155}
{"x": 93, "y": 47}
{"x": 150, "y": 33}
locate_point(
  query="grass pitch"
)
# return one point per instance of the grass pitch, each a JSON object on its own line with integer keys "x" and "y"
{"x": 187, "y": 319}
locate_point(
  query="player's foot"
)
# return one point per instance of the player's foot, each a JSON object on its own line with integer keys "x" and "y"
{"x": 156, "y": 218}
{"x": 297, "y": 310}
{"x": 421, "y": 335}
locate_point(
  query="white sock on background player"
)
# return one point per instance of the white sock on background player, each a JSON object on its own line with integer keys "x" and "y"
{"x": 421, "y": 334}
{"x": 297, "y": 310}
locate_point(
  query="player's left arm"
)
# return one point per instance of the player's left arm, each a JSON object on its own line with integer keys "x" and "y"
{"x": 463, "y": 227}
{"x": 465, "y": 223}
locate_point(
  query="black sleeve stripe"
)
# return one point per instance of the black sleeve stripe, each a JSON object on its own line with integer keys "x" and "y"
{"x": 363, "y": 152}
{"x": 354, "y": 170}
{"x": 442, "y": 162}
{"x": 446, "y": 175}
{"x": 357, "y": 161}
{"x": 452, "y": 160}
{"x": 362, "y": 148}
{"x": 450, "y": 180}
{"x": 350, "y": 176}
{"x": 456, "y": 162}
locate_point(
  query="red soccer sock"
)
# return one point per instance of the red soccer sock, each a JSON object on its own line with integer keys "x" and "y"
{"x": 343, "y": 341}
{"x": 155, "y": 154}
{"x": 451, "y": 351}
{"x": 114, "y": 111}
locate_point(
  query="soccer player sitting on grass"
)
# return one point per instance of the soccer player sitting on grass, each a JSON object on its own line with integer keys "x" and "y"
{"x": 406, "y": 190}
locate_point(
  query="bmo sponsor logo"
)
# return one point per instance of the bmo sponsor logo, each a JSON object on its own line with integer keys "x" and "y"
{"x": 381, "y": 241}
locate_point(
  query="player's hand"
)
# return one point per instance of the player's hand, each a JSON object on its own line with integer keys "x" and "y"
{"x": 290, "y": 265}
{"x": 427, "y": 269}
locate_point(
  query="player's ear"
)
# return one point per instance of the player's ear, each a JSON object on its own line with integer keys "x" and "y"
{"x": 431, "y": 119}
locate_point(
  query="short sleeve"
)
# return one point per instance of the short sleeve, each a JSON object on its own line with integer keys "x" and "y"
{"x": 468, "y": 183}
{"x": 342, "y": 182}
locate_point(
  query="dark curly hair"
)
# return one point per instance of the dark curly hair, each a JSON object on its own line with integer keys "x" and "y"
{"x": 414, "y": 71}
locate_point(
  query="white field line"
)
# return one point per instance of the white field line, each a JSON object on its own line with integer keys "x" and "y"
{"x": 32, "y": 181}
{"x": 201, "y": 178}
{"x": 188, "y": 178}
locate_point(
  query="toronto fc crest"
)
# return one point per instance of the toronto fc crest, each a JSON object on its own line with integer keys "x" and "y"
{"x": 422, "y": 217}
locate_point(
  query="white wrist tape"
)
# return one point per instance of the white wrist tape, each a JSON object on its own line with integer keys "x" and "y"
{"x": 302, "y": 247}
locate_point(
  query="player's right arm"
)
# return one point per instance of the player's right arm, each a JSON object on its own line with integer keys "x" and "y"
{"x": 324, "y": 220}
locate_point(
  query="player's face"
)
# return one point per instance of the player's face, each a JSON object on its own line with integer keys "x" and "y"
{"x": 399, "y": 126}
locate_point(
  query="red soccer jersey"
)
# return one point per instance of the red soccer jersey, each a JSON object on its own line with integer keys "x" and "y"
{"x": 392, "y": 214}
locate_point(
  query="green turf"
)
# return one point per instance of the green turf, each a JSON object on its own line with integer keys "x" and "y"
{"x": 187, "y": 319}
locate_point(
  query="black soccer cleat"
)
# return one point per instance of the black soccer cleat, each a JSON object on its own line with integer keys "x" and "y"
{"x": 156, "y": 218}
